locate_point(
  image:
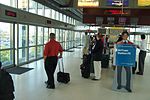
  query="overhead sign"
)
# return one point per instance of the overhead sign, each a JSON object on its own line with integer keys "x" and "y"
{"x": 118, "y": 3}
{"x": 144, "y": 3}
{"x": 88, "y": 3}
{"x": 10, "y": 13}
{"x": 116, "y": 12}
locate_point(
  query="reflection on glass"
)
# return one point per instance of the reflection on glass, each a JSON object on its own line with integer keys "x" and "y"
{"x": 22, "y": 35}
{"x": 32, "y": 35}
{"x": 45, "y": 35}
{"x": 32, "y": 53}
{"x": 6, "y": 31}
{"x": 22, "y": 55}
{"x": 6, "y": 57}
{"x": 22, "y": 4}
{"x": 39, "y": 51}
{"x": 32, "y": 6}
{"x": 40, "y": 35}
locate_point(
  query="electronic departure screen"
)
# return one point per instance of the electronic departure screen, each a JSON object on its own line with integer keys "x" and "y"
{"x": 116, "y": 12}
{"x": 111, "y": 20}
{"x": 10, "y": 13}
{"x": 117, "y": 3}
{"x": 144, "y": 3}
{"x": 122, "y": 20}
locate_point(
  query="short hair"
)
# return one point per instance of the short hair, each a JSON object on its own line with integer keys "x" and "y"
{"x": 52, "y": 35}
{"x": 142, "y": 36}
{"x": 0, "y": 64}
{"x": 124, "y": 32}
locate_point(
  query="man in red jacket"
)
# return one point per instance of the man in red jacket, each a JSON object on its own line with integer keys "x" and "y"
{"x": 51, "y": 51}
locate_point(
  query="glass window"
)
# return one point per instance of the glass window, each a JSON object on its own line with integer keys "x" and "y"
{"x": 57, "y": 15}
{"x": 61, "y": 35}
{"x": 22, "y": 35}
{"x": 6, "y": 57}
{"x": 22, "y": 55}
{"x": 40, "y": 35}
{"x": 6, "y": 32}
{"x": 57, "y": 34}
{"x": 64, "y": 18}
{"x": 40, "y": 9}
{"x": 32, "y": 53}
{"x": 53, "y": 14}
{"x": 61, "y": 18}
{"x": 45, "y": 35}
{"x": 32, "y": 6}
{"x": 39, "y": 51}
{"x": 22, "y": 4}
{"x": 12, "y": 3}
{"x": 32, "y": 35}
{"x": 47, "y": 12}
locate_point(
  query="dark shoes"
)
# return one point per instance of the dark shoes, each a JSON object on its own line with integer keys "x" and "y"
{"x": 50, "y": 87}
{"x": 138, "y": 73}
{"x": 129, "y": 90}
{"x": 46, "y": 82}
{"x": 118, "y": 87}
{"x": 95, "y": 79}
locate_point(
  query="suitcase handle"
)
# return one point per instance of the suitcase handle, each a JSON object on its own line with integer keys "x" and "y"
{"x": 60, "y": 62}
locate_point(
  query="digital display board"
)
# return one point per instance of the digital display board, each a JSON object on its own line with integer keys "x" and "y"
{"x": 111, "y": 20}
{"x": 88, "y": 3}
{"x": 116, "y": 12}
{"x": 10, "y": 13}
{"x": 144, "y": 3}
{"x": 122, "y": 20}
{"x": 117, "y": 3}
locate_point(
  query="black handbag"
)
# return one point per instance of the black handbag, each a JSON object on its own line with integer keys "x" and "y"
{"x": 61, "y": 75}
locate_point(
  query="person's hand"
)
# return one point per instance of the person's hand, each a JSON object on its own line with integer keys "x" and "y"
{"x": 59, "y": 57}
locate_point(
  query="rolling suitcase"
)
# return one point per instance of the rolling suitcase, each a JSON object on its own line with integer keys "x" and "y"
{"x": 61, "y": 75}
{"x": 105, "y": 61}
{"x": 85, "y": 66}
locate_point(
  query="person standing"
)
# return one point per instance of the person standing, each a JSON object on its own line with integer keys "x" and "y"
{"x": 6, "y": 85}
{"x": 97, "y": 51}
{"x": 51, "y": 51}
{"x": 142, "y": 55}
{"x": 124, "y": 40}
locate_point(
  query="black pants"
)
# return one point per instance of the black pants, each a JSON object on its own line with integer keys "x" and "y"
{"x": 128, "y": 76}
{"x": 50, "y": 66}
{"x": 142, "y": 56}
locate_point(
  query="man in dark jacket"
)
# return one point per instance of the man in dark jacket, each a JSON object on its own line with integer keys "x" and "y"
{"x": 97, "y": 56}
{"x": 6, "y": 85}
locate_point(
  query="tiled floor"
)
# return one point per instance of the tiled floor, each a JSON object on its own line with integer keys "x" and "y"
{"x": 30, "y": 85}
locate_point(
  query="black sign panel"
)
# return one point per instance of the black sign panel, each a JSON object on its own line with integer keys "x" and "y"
{"x": 10, "y": 13}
